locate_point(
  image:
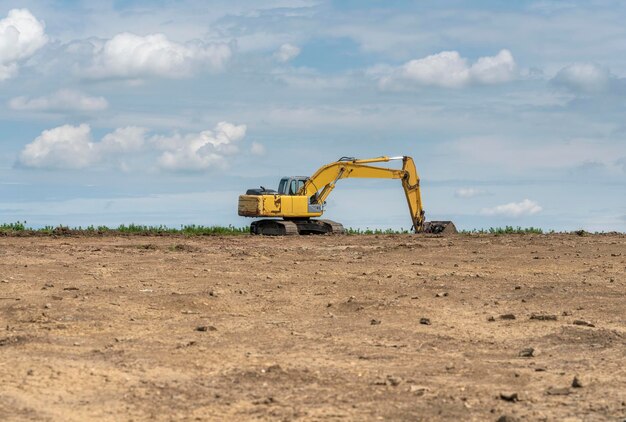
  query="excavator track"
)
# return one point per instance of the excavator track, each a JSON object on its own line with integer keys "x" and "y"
{"x": 336, "y": 228}
{"x": 275, "y": 227}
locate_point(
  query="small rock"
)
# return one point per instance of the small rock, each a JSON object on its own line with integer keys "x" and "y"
{"x": 507, "y": 316}
{"x": 583, "y": 323}
{"x": 375, "y": 322}
{"x": 552, "y": 391}
{"x": 491, "y": 319}
{"x": 507, "y": 418}
{"x": 47, "y": 306}
{"x": 576, "y": 383}
{"x": 441, "y": 294}
{"x": 512, "y": 397}
{"x": 206, "y": 328}
{"x": 30, "y": 372}
{"x": 393, "y": 381}
{"x": 543, "y": 317}
{"x": 527, "y": 352}
{"x": 425, "y": 321}
{"x": 268, "y": 401}
{"x": 566, "y": 313}
{"x": 418, "y": 390}
{"x": 71, "y": 288}
{"x": 274, "y": 368}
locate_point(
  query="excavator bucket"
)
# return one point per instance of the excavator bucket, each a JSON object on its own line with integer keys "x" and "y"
{"x": 440, "y": 227}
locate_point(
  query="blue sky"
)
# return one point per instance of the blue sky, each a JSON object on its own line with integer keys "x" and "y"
{"x": 164, "y": 112}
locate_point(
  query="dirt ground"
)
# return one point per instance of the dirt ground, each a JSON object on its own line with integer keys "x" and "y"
{"x": 397, "y": 327}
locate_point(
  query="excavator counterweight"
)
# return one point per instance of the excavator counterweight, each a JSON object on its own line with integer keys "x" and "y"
{"x": 299, "y": 199}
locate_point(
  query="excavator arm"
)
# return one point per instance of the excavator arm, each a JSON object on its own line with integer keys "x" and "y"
{"x": 321, "y": 184}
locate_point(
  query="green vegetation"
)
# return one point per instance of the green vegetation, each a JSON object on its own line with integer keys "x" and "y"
{"x": 186, "y": 230}
{"x": 492, "y": 230}
{"x": 15, "y": 227}
{"x": 20, "y": 228}
{"x": 350, "y": 230}
{"x": 506, "y": 230}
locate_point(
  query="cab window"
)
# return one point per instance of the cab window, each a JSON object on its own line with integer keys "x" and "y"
{"x": 293, "y": 187}
{"x": 282, "y": 187}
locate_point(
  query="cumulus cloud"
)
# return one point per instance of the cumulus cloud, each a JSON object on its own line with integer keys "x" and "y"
{"x": 514, "y": 209}
{"x": 130, "y": 56}
{"x": 73, "y": 147}
{"x": 287, "y": 52}
{"x": 469, "y": 192}
{"x": 62, "y": 147}
{"x": 63, "y": 100}
{"x": 123, "y": 140}
{"x": 449, "y": 70}
{"x": 200, "y": 151}
{"x": 586, "y": 78}
{"x": 21, "y": 35}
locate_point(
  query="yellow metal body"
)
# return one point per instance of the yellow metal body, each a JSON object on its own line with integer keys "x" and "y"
{"x": 290, "y": 206}
{"x": 309, "y": 200}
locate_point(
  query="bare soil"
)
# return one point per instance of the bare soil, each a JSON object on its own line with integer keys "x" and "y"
{"x": 397, "y": 327}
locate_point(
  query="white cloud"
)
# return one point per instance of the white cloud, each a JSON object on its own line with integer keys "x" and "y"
{"x": 201, "y": 151}
{"x": 514, "y": 209}
{"x": 131, "y": 56}
{"x": 62, "y": 147}
{"x": 449, "y": 70}
{"x": 584, "y": 78}
{"x": 122, "y": 140}
{"x": 21, "y": 35}
{"x": 469, "y": 192}
{"x": 494, "y": 69}
{"x": 63, "y": 100}
{"x": 72, "y": 147}
{"x": 287, "y": 52}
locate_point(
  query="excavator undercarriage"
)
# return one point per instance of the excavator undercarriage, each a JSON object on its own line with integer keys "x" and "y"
{"x": 275, "y": 227}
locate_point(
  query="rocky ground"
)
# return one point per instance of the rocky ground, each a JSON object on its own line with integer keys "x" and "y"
{"x": 398, "y": 327}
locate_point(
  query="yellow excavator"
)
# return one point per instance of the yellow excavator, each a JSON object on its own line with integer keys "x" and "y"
{"x": 301, "y": 198}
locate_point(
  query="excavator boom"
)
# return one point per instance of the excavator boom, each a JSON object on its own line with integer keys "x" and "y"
{"x": 323, "y": 181}
{"x": 301, "y": 198}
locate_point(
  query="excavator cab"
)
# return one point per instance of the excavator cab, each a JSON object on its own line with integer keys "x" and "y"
{"x": 291, "y": 185}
